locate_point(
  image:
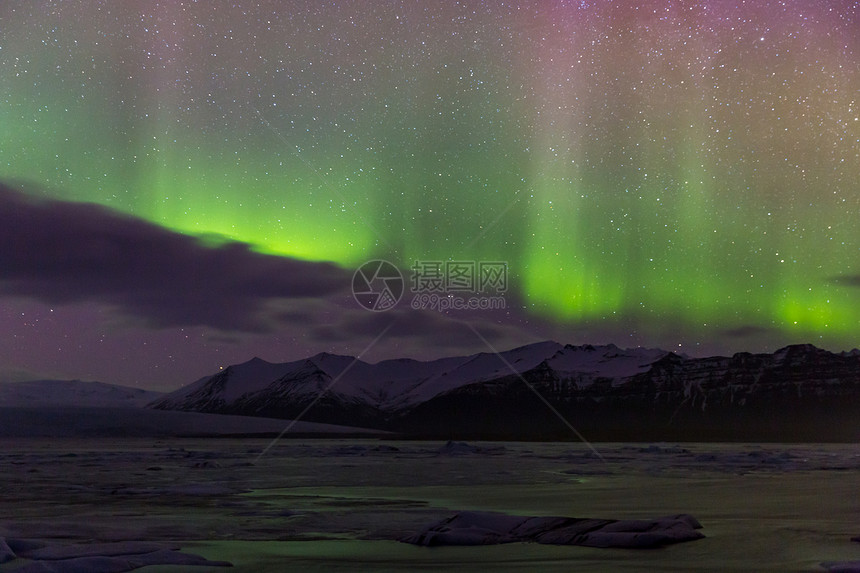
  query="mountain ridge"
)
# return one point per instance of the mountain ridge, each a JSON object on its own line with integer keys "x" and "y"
{"x": 612, "y": 392}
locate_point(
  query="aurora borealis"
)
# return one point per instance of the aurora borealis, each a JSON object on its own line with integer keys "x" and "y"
{"x": 656, "y": 173}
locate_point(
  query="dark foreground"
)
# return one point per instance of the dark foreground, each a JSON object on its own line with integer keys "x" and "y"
{"x": 343, "y": 505}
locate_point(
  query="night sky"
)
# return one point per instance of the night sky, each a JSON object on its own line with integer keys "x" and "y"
{"x": 190, "y": 184}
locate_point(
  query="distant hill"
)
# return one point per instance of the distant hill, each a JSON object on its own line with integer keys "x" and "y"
{"x": 73, "y": 393}
{"x": 798, "y": 393}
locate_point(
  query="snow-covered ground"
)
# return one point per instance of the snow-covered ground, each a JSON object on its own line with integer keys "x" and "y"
{"x": 324, "y": 505}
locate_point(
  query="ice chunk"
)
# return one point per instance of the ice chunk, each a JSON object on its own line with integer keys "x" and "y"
{"x": 6, "y": 553}
{"x": 452, "y": 448}
{"x": 103, "y": 557}
{"x": 55, "y": 552}
{"x": 842, "y": 566}
{"x": 485, "y": 528}
{"x": 80, "y": 565}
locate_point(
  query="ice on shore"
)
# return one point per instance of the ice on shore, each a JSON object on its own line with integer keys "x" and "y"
{"x": 96, "y": 557}
{"x": 6, "y": 553}
{"x": 486, "y": 528}
{"x": 453, "y": 448}
{"x": 842, "y": 566}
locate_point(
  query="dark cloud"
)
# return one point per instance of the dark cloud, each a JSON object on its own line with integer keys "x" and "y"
{"x": 61, "y": 252}
{"x": 847, "y": 280}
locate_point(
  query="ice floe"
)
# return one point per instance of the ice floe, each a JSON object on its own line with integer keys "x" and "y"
{"x": 97, "y": 557}
{"x": 487, "y": 528}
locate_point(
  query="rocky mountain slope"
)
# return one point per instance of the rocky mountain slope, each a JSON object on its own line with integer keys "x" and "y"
{"x": 539, "y": 391}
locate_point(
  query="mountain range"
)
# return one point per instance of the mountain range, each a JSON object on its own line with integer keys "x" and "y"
{"x": 549, "y": 390}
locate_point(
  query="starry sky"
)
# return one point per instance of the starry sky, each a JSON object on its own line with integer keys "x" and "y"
{"x": 188, "y": 184}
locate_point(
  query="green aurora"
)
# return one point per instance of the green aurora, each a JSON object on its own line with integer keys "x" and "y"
{"x": 672, "y": 165}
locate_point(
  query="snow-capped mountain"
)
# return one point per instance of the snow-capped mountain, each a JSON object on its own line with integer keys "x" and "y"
{"x": 375, "y": 393}
{"x": 798, "y": 393}
{"x": 611, "y": 392}
{"x": 73, "y": 393}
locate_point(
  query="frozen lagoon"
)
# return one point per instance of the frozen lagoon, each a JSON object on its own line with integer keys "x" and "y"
{"x": 342, "y": 504}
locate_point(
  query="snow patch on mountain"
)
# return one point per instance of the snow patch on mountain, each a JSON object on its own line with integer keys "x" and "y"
{"x": 605, "y": 361}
